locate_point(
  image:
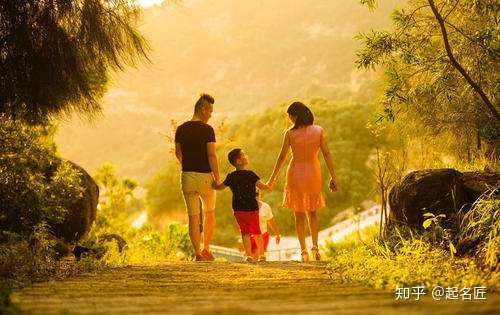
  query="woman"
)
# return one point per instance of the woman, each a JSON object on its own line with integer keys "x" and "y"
{"x": 302, "y": 192}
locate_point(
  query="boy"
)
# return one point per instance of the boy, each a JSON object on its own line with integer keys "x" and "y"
{"x": 265, "y": 218}
{"x": 243, "y": 185}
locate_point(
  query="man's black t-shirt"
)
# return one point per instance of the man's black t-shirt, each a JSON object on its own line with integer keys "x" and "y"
{"x": 193, "y": 137}
{"x": 242, "y": 184}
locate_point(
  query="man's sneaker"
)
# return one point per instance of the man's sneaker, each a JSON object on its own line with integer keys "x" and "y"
{"x": 207, "y": 255}
{"x": 262, "y": 258}
{"x": 199, "y": 258}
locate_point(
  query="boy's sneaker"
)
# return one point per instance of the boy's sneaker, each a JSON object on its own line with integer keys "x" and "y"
{"x": 207, "y": 255}
{"x": 199, "y": 258}
{"x": 262, "y": 258}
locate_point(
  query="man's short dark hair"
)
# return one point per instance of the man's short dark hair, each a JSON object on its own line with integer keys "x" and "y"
{"x": 233, "y": 156}
{"x": 204, "y": 100}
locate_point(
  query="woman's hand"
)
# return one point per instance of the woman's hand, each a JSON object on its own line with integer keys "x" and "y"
{"x": 333, "y": 184}
{"x": 270, "y": 183}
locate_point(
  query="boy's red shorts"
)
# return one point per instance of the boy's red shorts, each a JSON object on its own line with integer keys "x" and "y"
{"x": 248, "y": 221}
{"x": 265, "y": 240}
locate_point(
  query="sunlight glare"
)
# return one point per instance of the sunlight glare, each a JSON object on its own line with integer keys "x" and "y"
{"x": 148, "y": 3}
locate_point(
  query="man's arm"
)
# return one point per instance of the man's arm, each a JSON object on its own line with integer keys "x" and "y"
{"x": 213, "y": 161}
{"x": 178, "y": 152}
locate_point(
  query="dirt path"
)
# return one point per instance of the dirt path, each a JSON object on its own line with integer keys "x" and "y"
{"x": 226, "y": 288}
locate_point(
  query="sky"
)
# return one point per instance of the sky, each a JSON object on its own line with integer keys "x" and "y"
{"x": 148, "y": 3}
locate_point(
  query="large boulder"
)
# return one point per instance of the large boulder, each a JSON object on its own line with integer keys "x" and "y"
{"x": 440, "y": 191}
{"x": 82, "y": 212}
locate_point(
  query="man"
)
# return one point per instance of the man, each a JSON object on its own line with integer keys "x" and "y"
{"x": 195, "y": 150}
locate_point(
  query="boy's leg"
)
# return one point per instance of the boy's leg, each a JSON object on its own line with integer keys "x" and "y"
{"x": 247, "y": 244}
{"x": 260, "y": 244}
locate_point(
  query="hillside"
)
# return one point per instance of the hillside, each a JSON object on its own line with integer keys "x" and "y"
{"x": 249, "y": 54}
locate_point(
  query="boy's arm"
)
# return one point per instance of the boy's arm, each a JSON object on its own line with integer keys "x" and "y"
{"x": 262, "y": 186}
{"x": 218, "y": 186}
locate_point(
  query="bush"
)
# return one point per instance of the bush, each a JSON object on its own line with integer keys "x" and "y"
{"x": 35, "y": 185}
{"x": 480, "y": 232}
{"x": 409, "y": 262}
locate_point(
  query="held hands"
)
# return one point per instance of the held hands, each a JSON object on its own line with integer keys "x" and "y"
{"x": 270, "y": 184}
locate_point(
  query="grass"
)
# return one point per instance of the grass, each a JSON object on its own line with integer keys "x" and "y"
{"x": 402, "y": 262}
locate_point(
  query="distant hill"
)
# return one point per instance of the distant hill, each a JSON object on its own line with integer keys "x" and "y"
{"x": 249, "y": 54}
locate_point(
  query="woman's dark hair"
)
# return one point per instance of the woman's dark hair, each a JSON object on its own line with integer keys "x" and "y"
{"x": 304, "y": 115}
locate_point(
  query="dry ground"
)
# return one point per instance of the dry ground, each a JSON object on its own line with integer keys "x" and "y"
{"x": 226, "y": 288}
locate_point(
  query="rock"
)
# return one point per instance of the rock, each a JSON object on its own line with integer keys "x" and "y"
{"x": 478, "y": 183}
{"x": 440, "y": 191}
{"x": 82, "y": 213}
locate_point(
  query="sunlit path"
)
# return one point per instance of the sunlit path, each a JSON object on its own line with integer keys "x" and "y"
{"x": 225, "y": 288}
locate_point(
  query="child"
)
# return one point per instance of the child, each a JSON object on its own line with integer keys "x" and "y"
{"x": 265, "y": 218}
{"x": 246, "y": 209}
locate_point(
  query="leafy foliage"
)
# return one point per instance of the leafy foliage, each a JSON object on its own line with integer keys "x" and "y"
{"x": 422, "y": 82}
{"x": 35, "y": 185}
{"x": 406, "y": 263}
{"x": 55, "y": 55}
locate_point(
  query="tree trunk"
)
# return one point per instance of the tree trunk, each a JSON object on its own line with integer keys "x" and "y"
{"x": 475, "y": 86}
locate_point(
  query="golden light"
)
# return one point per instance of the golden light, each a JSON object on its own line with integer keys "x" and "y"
{"x": 148, "y": 3}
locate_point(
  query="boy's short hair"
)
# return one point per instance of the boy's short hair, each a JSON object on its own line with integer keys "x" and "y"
{"x": 233, "y": 156}
{"x": 202, "y": 102}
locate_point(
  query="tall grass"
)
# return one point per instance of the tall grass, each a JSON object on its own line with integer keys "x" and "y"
{"x": 403, "y": 261}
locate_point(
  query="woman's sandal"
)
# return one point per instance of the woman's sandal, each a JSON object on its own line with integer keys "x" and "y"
{"x": 305, "y": 255}
{"x": 315, "y": 253}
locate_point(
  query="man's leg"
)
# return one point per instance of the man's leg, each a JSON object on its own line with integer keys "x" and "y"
{"x": 208, "y": 229}
{"x": 194, "y": 233}
{"x": 208, "y": 200}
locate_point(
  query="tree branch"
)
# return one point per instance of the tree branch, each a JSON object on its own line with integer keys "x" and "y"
{"x": 489, "y": 105}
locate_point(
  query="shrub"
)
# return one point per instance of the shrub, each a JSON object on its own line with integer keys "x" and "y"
{"x": 35, "y": 185}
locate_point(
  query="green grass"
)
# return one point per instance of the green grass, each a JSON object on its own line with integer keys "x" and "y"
{"x": 362, "y": 258}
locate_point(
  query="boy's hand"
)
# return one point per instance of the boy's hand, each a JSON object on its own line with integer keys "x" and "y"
{"x": 278, "y": 238}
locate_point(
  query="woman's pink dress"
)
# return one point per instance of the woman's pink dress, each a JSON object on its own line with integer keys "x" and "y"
{"x": 303, "y": 176}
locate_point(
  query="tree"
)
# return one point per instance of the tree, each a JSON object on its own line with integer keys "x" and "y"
{"x": 55, "y": 55}
{"x": 441, "y": 64}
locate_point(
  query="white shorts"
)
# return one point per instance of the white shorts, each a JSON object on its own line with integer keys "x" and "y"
{"x": 195, "y": 187}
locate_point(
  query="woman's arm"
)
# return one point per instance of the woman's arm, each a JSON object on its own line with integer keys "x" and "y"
{"x": 281, "y": 158}
{"x": 274, "y": 228}
{"x": 328, "y": 160}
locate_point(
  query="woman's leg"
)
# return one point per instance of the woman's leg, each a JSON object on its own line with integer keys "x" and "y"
{"x": 300, "y": 218}
{"x": 313, "y": 227}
